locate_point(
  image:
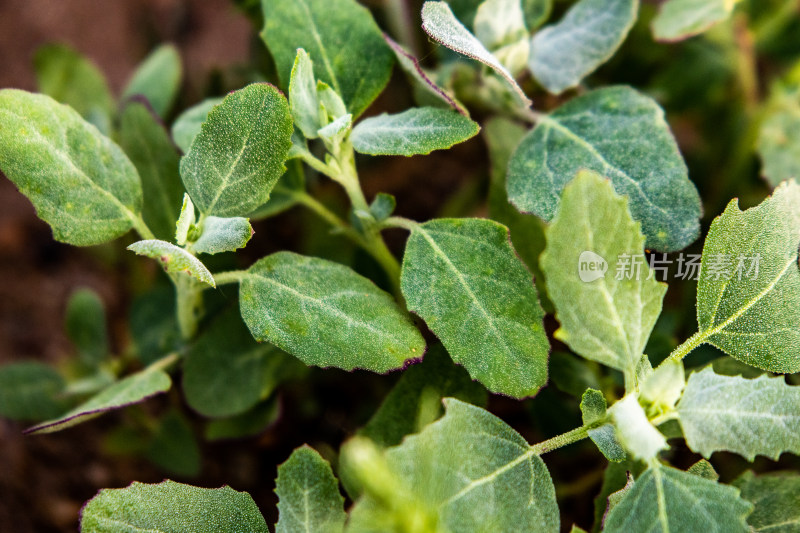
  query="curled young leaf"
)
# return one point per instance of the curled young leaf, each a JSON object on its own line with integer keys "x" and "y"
{"x": 173, "y": 259}
{"x": 223, "y": 235}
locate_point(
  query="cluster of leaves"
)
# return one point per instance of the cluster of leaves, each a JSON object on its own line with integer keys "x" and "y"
{"x": 600, "y": 172}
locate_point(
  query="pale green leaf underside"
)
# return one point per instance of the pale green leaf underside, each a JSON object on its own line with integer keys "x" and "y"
{"x": 342, "y": 39}
{"x": 238, "y": 156}
{"x": 170, "y": 507}
{"x": 158, "y": 79}
{"x": 634, "y": 431}
{"x": 326, "y": 315}
{"x": 441, "y": 24}
{"x": 666, "y": 500}
{"x": 413, "y": 132}
{"x": 150, "y": 149}
{"x": 308, "y": 495}
{"x": 475, "y": 472}
{"x": 776, "y": 497}
{"x": 589, "y": 34}
{"x": 464, "y": 279}
{"x": 303, "y": 96}
{"x": 223, "y": 235}
{"x": 80, "y": 182}
{"x": 779, "y": 140}
{"x": 622, "y": 135}
{"x": 173, "y": 259}
{"x": 755, "y": 319}
{"x": 746, "y": 416}
{"x": 679, "y": 19}
{"x": 135, "y": 388}
{"x": 188, "y": 124}
{"x": 605, "y": 320}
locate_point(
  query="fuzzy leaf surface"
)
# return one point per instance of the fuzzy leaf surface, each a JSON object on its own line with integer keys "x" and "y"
{"x": 78, "y": 180}
{"x": 417, "y": 131}
{"x": 173, "y": 259}
{"x": 170, "y": 507}
{"x": 490, "y": 320}
{"x": 754, "y": 317}
{"x": 326, "y": 315}
{"x": 308, "y": 495}
{"x": 667, "y": 500}
{"x": 679, "y": 19}
{"x": 151, "y": 151}
{"x": 223, "y": 235}
{"x": 158, "y": 79}
{"x": 236, "y": 159}
{"x": 590, "y": 33}
{"x": 133, "y": 389}
{"x": 593, "y": 408}
{"x": 605, "y": 319}
{"x": 474, "y": 472}
{"x": 776, "y": 498}
{"x": 342, "y": 39}
{"x": 746, "y": 416}
{"x": 621, "y": 134}
{"x": 441, "y": 24}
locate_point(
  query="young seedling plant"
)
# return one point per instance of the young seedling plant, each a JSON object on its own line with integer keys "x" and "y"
{"x": 601, "y": 172}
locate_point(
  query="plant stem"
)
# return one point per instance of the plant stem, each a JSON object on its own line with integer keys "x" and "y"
{"x": 231, "y": 276}
{"x": 746, "y": 62}
{"x": 141, "y": 228}
{"x": 319, "y": 209}
{"x": 165, "y": 362}
{"x": 189, "y": 300}
{"x": 690, "y": 344}
{"x": 565, "y": 438}
{"x": 400, "y": 222}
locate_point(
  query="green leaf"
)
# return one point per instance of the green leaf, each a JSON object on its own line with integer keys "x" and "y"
{"x": 416, "y": 399}
{"x": 134, "y": 389}
{"x": 602, "y": 318}
{"x": 536, "y": 12}
{"x": 411, "y": 66}
{"x": 779, "y": 138}
{"x": 705, "y": 470}
{"x": 30, "y": 390}
{"x": 223, "y": 235}
{"x": 667, "y": 500}
{"x": 308, "y": 495}
{"x": 343, "y": 39}
{"x": 86, "y": 326}
{"x": 500, "y": 26}
{"x": 174, "y": 447}
{"x": 158, "y": 79}
{"x": 634, "y": 431}
{"x": 326, "y": 315}
{"x": 746, "y": 416}
{"x": 661, "y": 388}
{"x": 153, "y": 325}
{"x": 335, "y": 131}
{"x": 470, "y": 470}
{"x": 753, "y": 316}
{"x": 382, "y": 206}
{"x": 572, "y": 374}
{"x": 774, "y": 497}
{"x": 238, "y": 156}
{"x": 150, "y": 149}
{"x": 80, "y": 182}
{"x": 170, "y": 507}
{"x": 188, "y": 124}
{"x": 590, "y": 33}
{"x": 286, "y": 191}
{"x": 679, "y": 19}
{"x": 71, "y": 79}
{"x": 247, "y": 424}
{"x": 439, "y": 22}
{"x": 416, "y": 131}
{"x": 303, "y": 99}
{"x": 490, "y": 321}
{"x": 173, "y": 259}
{"x": 593, "y": 409}
{"x": 185, "y": 221}
{"x": 621, "y": 134}
{"x": 226, "y": 372}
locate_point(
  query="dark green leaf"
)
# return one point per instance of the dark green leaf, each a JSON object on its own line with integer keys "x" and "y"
{"x": 776, "y": 497}
{"x": 30, "y": 391}
{"x": 158, "y": 79}
{"x": 247, "y": 424}
{"x": 86, "y": 326}
{"x": 188, "y": 124}
{"x": 174, "y": 447}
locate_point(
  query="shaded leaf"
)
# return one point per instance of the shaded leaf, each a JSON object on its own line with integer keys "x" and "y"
{"x": 748, "y": 296}
{"x": 157, "y": 78}
{"x": 86, "y": 327}
{"x": 341, "y": 37}
{"x": 746, "y": 416}
{"x": 413, "y": 132}
{"x": 779, "y": 139}
{"x": 593, "y": 409}
{"x": 680, "y": 19}
{"x": 174, "y": 447}
{"x": 621, "y": 134}
{"x": 150, "y": 149}
{"x": 30, "y": 390}
{"x": 80, "y": 182}
{"x": 285, "y": 193}
{"x": 238, "y": 156}
{"x": 308, "y": 495}
{"x": 491, "y": 320}
{"x": 589, "y": 34}
{"x": 170, "y": 507}
{"x": 247, "y": 424}
{"x": 326, "y": 315}
{"x": 776, "y": 500}
{"x": 188, "y": 124}
{"x": 173, "y": 259}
